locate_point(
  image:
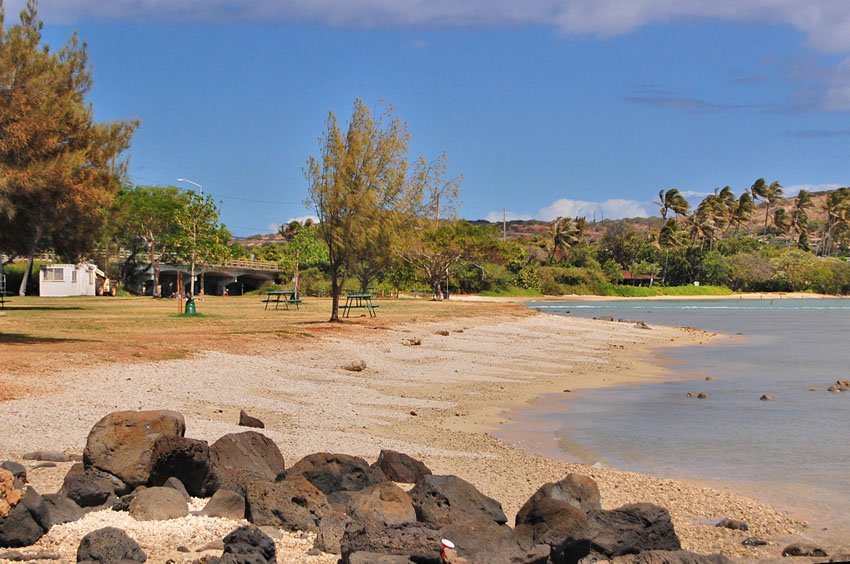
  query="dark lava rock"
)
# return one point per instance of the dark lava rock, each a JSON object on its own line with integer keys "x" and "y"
{"x": 801, "y": 549}
{"x": 293, "y": 504}
{"x": 246, "y": 420}
{"x": 60, "y": 510}
{"x": 576, "y": 490}
{"x": 249, "y": 544}
{"x": 753, "y": 541}
{"x": 671, "y": 557}
{"x": 399, "y": 467}
{"x": 420, "y": 542}
{"x": 733, "y": 524}
{"x": 90, "y": 487}
{"x": 109, "y": 545}
{"x": 238, "y": 458}
{"x": 225, "y": 503}
{"x": 188, "y": 460}
{"x": 26, "y": 522}
{"x": 442, "y": 500}
{"x": 337, "y": 472}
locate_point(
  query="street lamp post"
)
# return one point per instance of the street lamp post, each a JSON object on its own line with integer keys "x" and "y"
{"x": 194, "y": 235}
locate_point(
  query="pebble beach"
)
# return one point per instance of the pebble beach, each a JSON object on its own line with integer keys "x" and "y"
{"x": 437, "y": 391}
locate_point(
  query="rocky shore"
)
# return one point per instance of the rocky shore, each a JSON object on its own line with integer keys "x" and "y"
{"x": 433, "y": 391}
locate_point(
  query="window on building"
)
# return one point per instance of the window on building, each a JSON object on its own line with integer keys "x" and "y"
{"x": 73, "y": 277}
{"x": 54, "y": 274}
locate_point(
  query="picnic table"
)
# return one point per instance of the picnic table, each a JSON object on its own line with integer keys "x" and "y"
{"x": 353, "y": 301}
{"x": 285, "y": 297}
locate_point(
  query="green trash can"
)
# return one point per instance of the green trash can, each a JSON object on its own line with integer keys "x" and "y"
{"x": 190, "y": 308}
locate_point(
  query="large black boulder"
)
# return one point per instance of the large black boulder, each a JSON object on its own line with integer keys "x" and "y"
{"x": 90, "y": 487}
{"x": 249, "y": 544}
{"x": 400, "y": 467}
{"x": 26, "y": 522}
{"x": 443, "y": 500}
{"x": 337, "y": 472}
{"x": 419, "y": 542}
{"x": 109, "y": 544}
{"x": 632, "y": 529}
{"x": 238, "y": 458}
{"x": 188, "y": 460}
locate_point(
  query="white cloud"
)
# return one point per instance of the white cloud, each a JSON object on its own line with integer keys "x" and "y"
{"x": 826, "y": 23}
{"x": 794, "y": 189}
{"x": 565, "y": 207}
{"x": 496, "y": 216}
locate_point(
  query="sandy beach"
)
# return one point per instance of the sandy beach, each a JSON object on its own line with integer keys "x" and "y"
{"x": 436, "y": 390}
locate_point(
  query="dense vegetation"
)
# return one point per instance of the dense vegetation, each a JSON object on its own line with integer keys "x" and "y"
{"x": 386, "y": 221}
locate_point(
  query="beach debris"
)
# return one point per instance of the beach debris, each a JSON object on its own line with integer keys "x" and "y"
{"x": 246, "y": 420}
{"x": 754, "y": 541}
{"x": 702, "y": 395}
{"x": 814, "y": 389}
{"x": 293, "y": 504}
{"x": 158, "y": 504}
{"x": 733, "y": 524}
{"x": 766, "y": 397}
{"x": 109, "y": 544}
{"x": 399, "y": 467}
{"x": 834, "y": 389}
{"x": 411, "y": 342}
{"x": 414, "y": 414}
{"x": 802, "y": 549}
{"x": 442, "y": 333}
{"x": 90, "y": 487}
{"x": 249, "y": 544}
{"x": 839, "y": 386}
{"x": 356, "y": 366}
{"x": 121, "y": 443}
{"x": 225, "y": 504}
{"x": 331, "y": 472}
{"x": 238, "y": 458}
{"x": 47, "y": 456}
{"x": 187, "y": 460}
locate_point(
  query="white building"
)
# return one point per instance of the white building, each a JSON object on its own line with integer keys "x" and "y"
{"x": 61, "y": 280}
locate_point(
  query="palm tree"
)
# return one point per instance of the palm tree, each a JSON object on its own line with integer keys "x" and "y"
{"x": 836, "y": 205}
{"x": 742, "y": 211}
{"x": 800, "y": 218}
{"x": 566, "y": 233}
{"x": 782, "y": 221}
{"x": 770, "y": 193}
{"x": 673, "y": 200}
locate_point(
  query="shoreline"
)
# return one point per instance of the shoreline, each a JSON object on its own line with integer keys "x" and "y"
{"x": 595, "y": 298}
{"x": 439, "y": 401}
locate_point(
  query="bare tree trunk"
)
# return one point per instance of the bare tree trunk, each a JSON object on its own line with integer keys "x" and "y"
{"x": 22, "y": 291}
{"x": 334, "y": 295}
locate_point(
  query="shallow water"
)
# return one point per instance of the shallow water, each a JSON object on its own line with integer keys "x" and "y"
{"x": 794, "y": 451}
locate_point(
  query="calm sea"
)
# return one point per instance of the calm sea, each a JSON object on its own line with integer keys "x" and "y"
{"x": 793, "y": 451}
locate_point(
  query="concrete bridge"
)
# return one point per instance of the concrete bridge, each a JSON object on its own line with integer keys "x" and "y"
{"x": 235, "y": 276}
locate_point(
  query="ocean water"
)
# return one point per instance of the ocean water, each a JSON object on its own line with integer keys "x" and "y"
{"x": 793, "y": 451}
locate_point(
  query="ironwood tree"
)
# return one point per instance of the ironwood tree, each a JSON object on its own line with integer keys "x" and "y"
{"x": 359, "y": 185}
{"x": 59, "y": 169}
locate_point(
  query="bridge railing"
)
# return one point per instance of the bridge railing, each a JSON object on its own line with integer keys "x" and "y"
{"x": 252, "y": 264}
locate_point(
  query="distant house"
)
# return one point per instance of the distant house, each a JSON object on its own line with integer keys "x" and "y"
{"x": 631, "y": 279}
{"x": 61, "y": 280}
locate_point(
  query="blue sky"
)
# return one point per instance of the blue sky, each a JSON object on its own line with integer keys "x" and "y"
{"x": 547, "y": 107}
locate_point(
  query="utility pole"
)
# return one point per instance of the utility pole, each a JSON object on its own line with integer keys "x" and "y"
{"x": 504, "y": 224}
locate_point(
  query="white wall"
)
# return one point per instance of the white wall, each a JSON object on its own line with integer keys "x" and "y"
{"x": 60, "y": 280}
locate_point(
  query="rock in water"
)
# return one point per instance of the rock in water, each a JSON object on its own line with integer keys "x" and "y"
{"x": 109, "y": 545}
{"x": 766, "y": 397}
{"x": 122, "y": 442}
{"x": 158, "y": 504}
{"x": 238, "y": 458}
{"x": 188, "y": 460}
{"x": 337, "y": 472}
{"x": 246, "y": 420}
{"x": 443, "y": 500}
{"x": 399, "y": 467}
{"x": 249, "y": 544}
